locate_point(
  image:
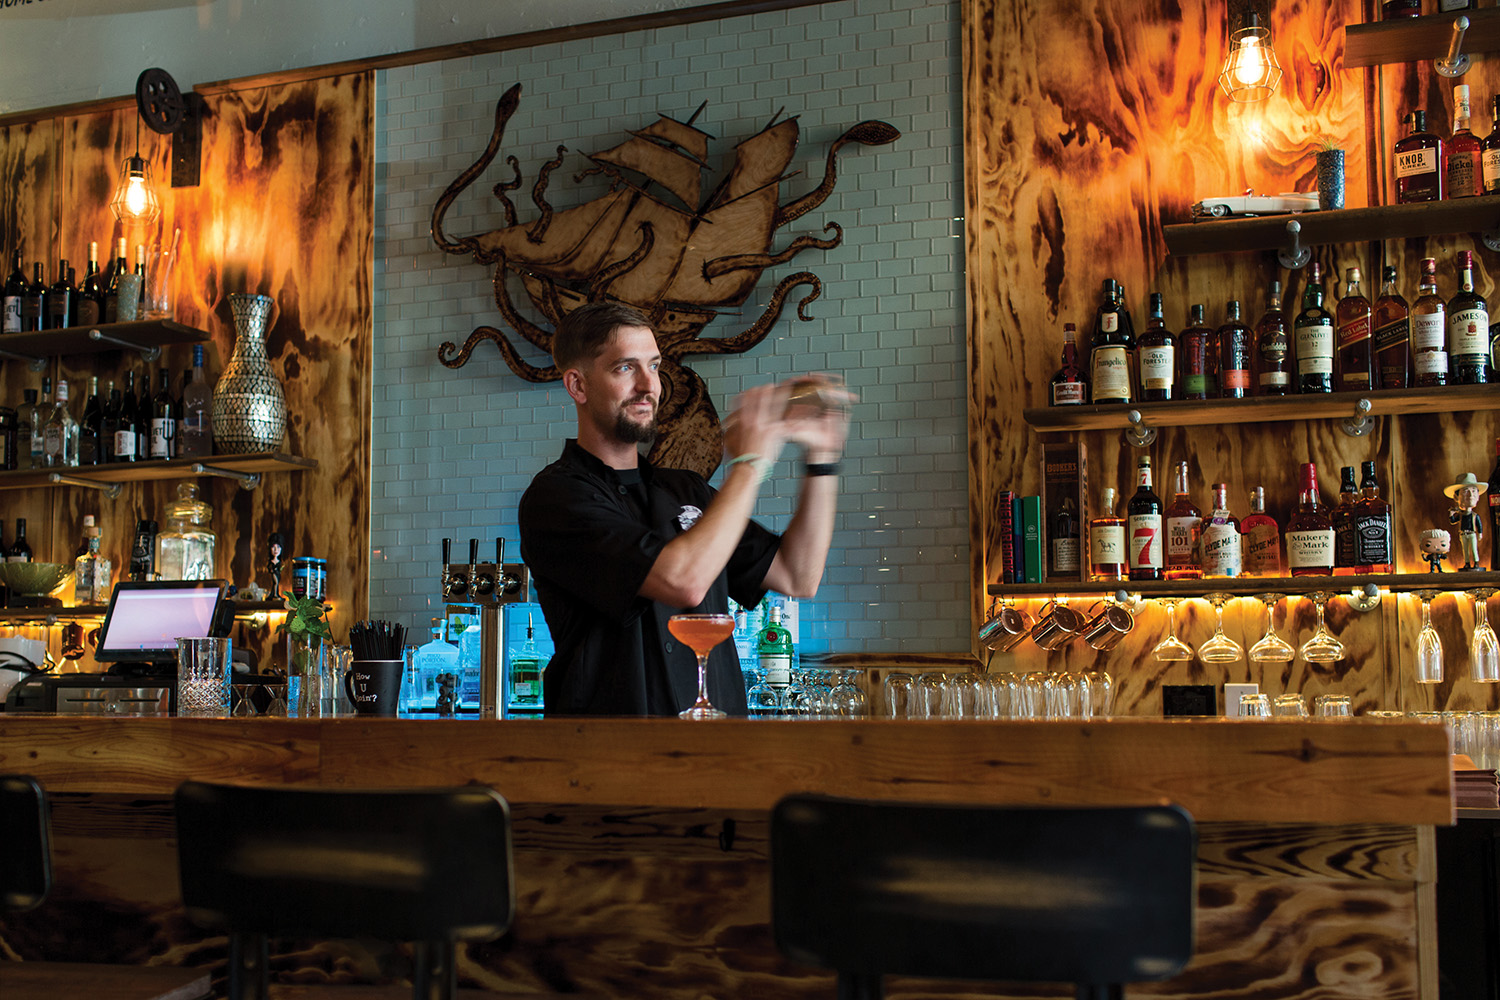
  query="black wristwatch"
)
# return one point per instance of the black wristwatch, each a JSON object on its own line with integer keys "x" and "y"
{"x": 821, "y": 468}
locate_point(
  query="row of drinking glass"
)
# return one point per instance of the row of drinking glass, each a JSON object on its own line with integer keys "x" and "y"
{"x": 1474, "y": 733}
{"x": 1294, "y": 705}
{"x": 1484, "y": 649}
{"x": 812, "y": 693}
{"x": 1034, "y": 695}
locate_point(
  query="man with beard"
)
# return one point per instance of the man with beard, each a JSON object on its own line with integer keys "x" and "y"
{"x": 616, "y": 547}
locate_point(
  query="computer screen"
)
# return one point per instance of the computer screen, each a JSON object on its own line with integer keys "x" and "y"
{"x": 145, "y": 620}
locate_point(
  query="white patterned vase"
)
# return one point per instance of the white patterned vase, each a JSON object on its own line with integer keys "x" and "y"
{"x": 249, "y": 402}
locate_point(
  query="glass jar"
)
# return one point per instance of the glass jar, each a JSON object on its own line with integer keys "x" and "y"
{"x": 185, "y": 550}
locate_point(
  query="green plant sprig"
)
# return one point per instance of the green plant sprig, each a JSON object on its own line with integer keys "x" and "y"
{"x": 305, "y": 618}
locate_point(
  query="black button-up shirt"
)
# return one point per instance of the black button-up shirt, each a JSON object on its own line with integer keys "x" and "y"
{"x": 590, "y": 535}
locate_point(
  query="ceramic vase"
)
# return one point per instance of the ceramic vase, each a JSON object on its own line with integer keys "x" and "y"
{"x": 249, "y": 410}
{"x": 1330, "y": 179}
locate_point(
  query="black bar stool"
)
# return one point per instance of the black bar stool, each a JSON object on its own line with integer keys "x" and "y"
{"x": 1093, "y": 897}
{"x": 431, "y": 866}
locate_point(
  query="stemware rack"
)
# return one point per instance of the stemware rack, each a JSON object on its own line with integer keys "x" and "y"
{"x": 1248, "y": 586}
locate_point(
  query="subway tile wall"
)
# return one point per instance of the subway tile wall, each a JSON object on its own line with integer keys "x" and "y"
{"x": 454, "y": 449}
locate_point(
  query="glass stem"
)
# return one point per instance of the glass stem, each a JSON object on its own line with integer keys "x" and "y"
{"x": 702, "y": 679}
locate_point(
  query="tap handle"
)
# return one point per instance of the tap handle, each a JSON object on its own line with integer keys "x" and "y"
{"x": 447, "y": 553}
{"x": 499, "y": 551}
{"x": 473, "y": 551}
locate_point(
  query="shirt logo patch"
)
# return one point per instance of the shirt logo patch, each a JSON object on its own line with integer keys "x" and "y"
{"x": 688, "y": 516}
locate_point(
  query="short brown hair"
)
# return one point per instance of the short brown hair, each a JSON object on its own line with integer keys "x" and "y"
{"x": 586, "y": 331}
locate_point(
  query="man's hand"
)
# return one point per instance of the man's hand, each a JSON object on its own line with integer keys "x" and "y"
{"x": 817, "y": 416}
{"x": 756, "y": 425}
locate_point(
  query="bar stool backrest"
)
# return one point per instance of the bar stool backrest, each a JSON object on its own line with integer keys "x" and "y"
{"x": 1091, "y": 896}
{"x": 25, "y": 846}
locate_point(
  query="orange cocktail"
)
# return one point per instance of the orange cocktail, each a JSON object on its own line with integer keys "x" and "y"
{"x": 702, "y": 633}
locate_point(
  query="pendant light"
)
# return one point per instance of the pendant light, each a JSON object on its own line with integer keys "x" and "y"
{"x": 1250, "y": 71}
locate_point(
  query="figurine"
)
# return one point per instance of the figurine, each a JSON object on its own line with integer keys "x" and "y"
{"x": 1435, "y": 543}
{"x": 1465, "y": 497}
{"x": 274, "y": 556}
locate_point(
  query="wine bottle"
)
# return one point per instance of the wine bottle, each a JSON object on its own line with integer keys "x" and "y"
{"x": 163, "y": 422}
{"x": 112, "y": 290}
{"x": 109, "y": 423}
{"x": 125, "y": 426}
{"x": 34, "y": 304}
{"x": 14, "y": 298}
{"x": 60, "y": 300}
{"x": 19, "y": 551}
{"x": 91, "y": 293}
{"x": 143, "y": 417}
{"x": 90, "y": 426}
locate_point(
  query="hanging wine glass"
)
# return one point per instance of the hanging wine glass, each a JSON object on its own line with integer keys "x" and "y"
{"x": 1220, "y": 648}
{"x": 1272, "y": 648}
{"x": 1322, "y": 646}
{"x": 1172, "y": 648}
{"x": 1484, "y": 651}
{"x": 1429, "y": 646}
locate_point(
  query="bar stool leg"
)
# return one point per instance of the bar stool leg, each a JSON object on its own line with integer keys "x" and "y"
{"x": 1094, "y": 991}
{"x": 434, "y": 970}
{"x": 860, "y": 986}
{"x": 249, "y": 960}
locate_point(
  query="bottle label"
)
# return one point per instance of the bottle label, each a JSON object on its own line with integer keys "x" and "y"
{"x": 1468, "y": 331}
{"x": 1109, "y": 322}
{"x": 1222, "y": 551}
{"x": 1269, "y": 379}
{"x": 88, "y": 311}
{"x": 1427, "y": 331}
{"x": 1392, "y": 334}
{"x": 1345, "y": 544}
{"x": 1315, "y": 348}
{"x": 1067, "y": 393}
{"x": 1182, "y": 537}
{"x": 52, "y": 444}
{"x": 1373, "y": 540}
{"x": 1065, "y": 555}
{"x": 31, "y": 312}
{"x": 1273, "y": 348}
{"x": 57, "y": 309}
{"x": 1416, "y": 161}
{"x": 1354, "y": 331}
{"x": 1235, "y": 378}
{"x": 777, "y": 668}
{"x": 124, "y": 444}
{"x": 1107, "y": 545}
{"x": 1463, "y": 175}
{"x": 1157, "y": 370}
{"x": 1145, "y": 541}
{"x": 1490, "y": 161}
{"x": 1430, "y": 362}
{"x": 1310, "y": 549}
{"x": 12, "y": 319}
{"x": 1196, "y": 385}
{"x": 161, "y": 437}
{"x": 1111, "y": 374}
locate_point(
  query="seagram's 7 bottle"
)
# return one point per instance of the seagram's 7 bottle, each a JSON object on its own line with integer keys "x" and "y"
{"x": 1143, "y": 528}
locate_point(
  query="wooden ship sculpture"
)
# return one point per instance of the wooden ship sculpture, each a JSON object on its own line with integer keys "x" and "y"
{"x": 652, "y": 241}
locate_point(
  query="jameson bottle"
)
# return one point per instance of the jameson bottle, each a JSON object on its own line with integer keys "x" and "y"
{"x": 1143, "y": 527}
{"x": 1109, "y": 365}
{"x": 1272, "y": 348}
{"x": 1355, "y": 322}
{"x": 1375, "y": 544}
{"x": 1309, "y": 531}
{"x": 1468, "y": 328}
{"x": 1156, "y": 359}
{"x": 1314, "y": 337}
{"x": 1392, "y": 334}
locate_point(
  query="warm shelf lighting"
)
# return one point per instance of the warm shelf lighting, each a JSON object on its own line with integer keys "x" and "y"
{"x": 1250, "y": 71}
{"x": 135, "y": 199}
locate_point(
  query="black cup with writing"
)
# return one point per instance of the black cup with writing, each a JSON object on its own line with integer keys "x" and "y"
{"x": 374, "y": 686}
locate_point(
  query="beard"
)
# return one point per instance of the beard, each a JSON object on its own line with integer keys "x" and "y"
{"x": 635, "y": 433}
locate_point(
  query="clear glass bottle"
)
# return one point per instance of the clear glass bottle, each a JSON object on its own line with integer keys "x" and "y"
{"x": 185, "y": 550}
{"x": 60, "y": 436}
{"x": 195, "y": 430}
{"x": 1107, "y": 541}
{"x": 1429, "y": 330}
{"x": 1223, "y": 551}
{"x": 41, "y": 409}
{"x": 436, "y": 675}
{"x": 1262, "y": 537}
{"x": 27, "y": 433}
{"x": 526, "y": 666}
{"x": 92, "y": 573}
{"x": 1463, "y": 172}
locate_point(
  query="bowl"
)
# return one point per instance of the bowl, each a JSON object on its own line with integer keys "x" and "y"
{"x": 33, "y": 578}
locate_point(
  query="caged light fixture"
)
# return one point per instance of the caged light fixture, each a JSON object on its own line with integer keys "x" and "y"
{"x": 1250, "y": 71}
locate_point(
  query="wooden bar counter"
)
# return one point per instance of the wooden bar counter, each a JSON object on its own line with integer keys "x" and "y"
{"x": 642, "y": 859}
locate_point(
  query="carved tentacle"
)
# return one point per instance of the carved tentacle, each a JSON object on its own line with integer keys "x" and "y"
{"x": 529, "y": 372}
{"x": 759, "y": 261}
{"x": 609, "y": 272}
{"x": 866, "y": 133}
{"x": 504, "y": 108}
{"x": 538, "y": 197}
{"x": 503, "y": 186}
{"x": 742, "y": 342}
{"x": 534, "y": 334}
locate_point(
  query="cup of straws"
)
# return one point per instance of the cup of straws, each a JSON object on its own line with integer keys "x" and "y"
{"x": 374, "y": 678}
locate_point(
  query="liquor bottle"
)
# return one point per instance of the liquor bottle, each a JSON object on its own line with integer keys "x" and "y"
{"x": 60, "y": 436}
{"x": 1468, "y": 328}
{"x": 1375, "y": 539}
{"x": 26, "y": 429}
{"x": 112, "y": 289}
{"x": 1309, "y": 531}
{"x": 91, "y": 571}
{"x": 1234, "y": 339}
{"x": 125, "y": 423}
{"x": 90, "y": 426}
{"x": 1069, "y": 388}
{"x": 1345, "y": 539}
{"x": 1489, "y": 150}
{"x": 34, "y": 304}
{"x": 526, "y": 668}
{"x": 19, "y": 551}
{"x": 1155, "y": 356}
{"x": 1143, "y": 528}
{"x": 195, "y": 431}
{"x": 1419, "y": 160}
{"x": 60, "y": 300}
{"x": 1107, "y": 540}
{"x": 1314, "y": 337}
{"x": 75, "y": 294}
{"x": 1062, "y": 541}
{"x": 1464, "y": 174}
{"x": 1109, "y": 365}
{"x": 109, "y": 424}
{"x": 1223, "y": 550}
{"x": 143, "y": 408}
{"x": 163, "y": 422}
{"x": 91, "y": 292}
{"x": 1390, "y": 10}
{"x": 775, "y": 651}
{"x": 1392, "y": 334}
{"x": 1355, "y": 328}
{"x": 1273, "y": 348}
{"x": 1429, "y": 331}
{"x": 14, "y": 296}
{"x": 1197, "y": 357}
{"x": 39, "y": 414}
{"x": 1494, "y": 497}
{"x": 1184, "y": 522}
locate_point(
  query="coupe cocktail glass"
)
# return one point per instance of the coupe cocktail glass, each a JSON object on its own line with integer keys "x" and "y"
{"x": 1172, "y": 648}
{"x": 1322, "y": 646}
{"x": 701, "y": 633}
{"x": 1272, "y": 648}
{"x": 1220, "y": 648}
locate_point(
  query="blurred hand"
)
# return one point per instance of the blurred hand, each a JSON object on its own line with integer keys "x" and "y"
{"x": 755, "y": 426}
{"x": 817, "y": 416}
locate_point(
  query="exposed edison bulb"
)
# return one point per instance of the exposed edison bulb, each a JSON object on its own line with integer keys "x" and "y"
{"x": 1250, "y": 63}
{"x": 136, "y": 198}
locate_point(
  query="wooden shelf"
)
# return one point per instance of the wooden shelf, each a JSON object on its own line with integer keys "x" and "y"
{"x": 142, "y": 335}
{"x": 1245, "y": 586}
{"x": 1348, "y": 225}
{"x": 1259, "y": 409}
{"x": 1409, "y": 39}
{"x": 87, "y": 612}
{"x": 177, "y": 468}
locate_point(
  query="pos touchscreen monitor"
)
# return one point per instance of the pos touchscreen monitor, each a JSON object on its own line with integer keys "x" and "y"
{"x": 145, "y": 620}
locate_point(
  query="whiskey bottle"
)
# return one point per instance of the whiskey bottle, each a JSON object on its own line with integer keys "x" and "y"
{"x": 1068, "y": 385}
{"x": 1197, "y": 357}
{"x": 1223, "y": 551}
{"x": 1144, "y": 527}
{"x": 1354, "y": 315}
{"x": 1314, "y": 337}
{"x": 1429, "y": 331}
{"x": 1468, "y": 328}
{"x": 1109, "y": 365}
{"x": 1184, "y": 522}
{"x": 1489, "y": 150}
{"x": 1107, "y": 540}
{"x": 1309, "y": 531}
{"x": 1392, "y": 334}
{"x": 1262, "y": 538}
{"x": 1156, "y": 356}
{"x": 1062, "y": 541}
{"x": 1419, "y": 159}
{"x": 1376, "y": 553}
{"x": 1234, "y": 339}
{"x": 1464, "y": 174}
{"x": 1345, "y": 539}
{"x": 1272, "y": 348}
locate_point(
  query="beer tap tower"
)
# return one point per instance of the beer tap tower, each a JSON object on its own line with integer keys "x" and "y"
{"x": 486, "y": 588}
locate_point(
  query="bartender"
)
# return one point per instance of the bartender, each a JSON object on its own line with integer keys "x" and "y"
{"x": 616, "y": 546}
